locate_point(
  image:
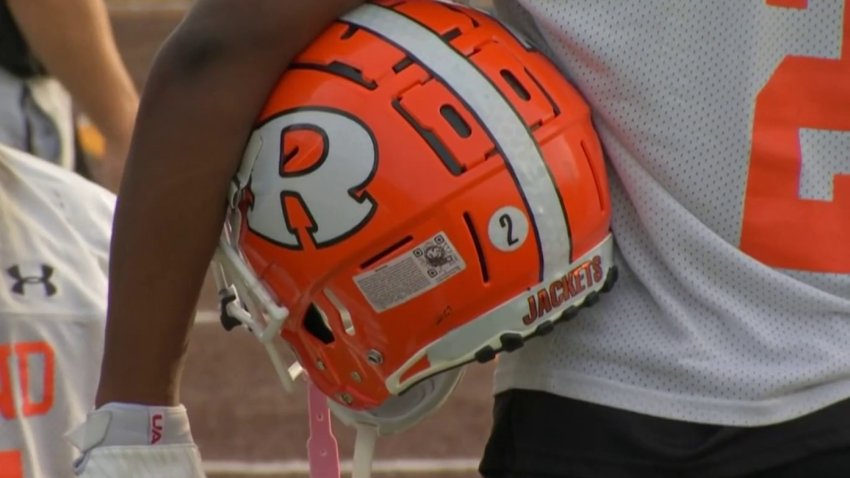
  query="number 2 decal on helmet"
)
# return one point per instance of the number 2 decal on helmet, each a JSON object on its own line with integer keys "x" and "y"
{"x": 508, "y": 229}
{"x": 322, "y": 173}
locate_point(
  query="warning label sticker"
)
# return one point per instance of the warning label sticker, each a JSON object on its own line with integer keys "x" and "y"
{"x": 410, "y": 274}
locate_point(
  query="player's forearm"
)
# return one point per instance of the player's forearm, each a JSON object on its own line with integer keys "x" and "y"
{"x": 168, "y": 219}
{"x": 74, "y": 41}
{"x": 204, "y": 92}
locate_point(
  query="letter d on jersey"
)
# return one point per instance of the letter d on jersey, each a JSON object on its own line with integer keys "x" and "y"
{"x": 326, "y": 188}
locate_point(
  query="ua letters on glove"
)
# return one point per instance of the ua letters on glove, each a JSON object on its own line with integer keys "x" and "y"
{"x": 136, "y": 441}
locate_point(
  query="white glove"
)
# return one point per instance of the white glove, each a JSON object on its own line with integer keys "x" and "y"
{"x": 136, "y": 441}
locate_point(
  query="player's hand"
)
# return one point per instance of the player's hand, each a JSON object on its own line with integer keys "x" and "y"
{"x": 136, "y": 441}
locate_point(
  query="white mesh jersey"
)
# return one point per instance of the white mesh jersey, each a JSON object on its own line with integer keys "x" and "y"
{"x": 727, "y": 128}
{"x": 54, "y": 238}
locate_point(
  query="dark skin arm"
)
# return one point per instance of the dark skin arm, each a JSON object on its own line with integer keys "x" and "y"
{"x": 205, "y": 89}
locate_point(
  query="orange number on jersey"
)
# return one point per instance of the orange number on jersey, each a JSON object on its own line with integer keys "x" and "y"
{"x": 7, "y": 392}
{"x": 36, "y": 403}
{"x": 779, "y": 227}
{"x": 36, "y": 396}
{"x": 10, "y": 464}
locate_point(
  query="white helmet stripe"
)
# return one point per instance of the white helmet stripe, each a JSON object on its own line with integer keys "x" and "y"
{"x": 495, "y": 113}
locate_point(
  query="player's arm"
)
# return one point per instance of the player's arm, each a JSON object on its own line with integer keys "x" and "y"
{"x": 74, "y": 41}
{"x": 205, "y": 90}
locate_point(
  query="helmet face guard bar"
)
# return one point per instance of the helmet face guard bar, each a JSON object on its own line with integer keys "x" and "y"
{"x": 245, "y": 299}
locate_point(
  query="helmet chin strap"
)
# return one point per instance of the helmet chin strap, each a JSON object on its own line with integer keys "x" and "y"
{"x": 364, "y": 451}
{"x": 322, "y": 450}
{"x": 397, "y": 414}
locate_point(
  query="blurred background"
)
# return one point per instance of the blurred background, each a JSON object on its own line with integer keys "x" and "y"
{"x": 243, "y": 421}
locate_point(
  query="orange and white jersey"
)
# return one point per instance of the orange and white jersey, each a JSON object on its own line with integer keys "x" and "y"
{"x": 54, "y": 238}
{"x": 727, "y": 128}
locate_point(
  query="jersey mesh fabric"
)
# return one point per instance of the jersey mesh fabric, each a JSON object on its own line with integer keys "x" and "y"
{"x": 54, "y": 238}
{"x": 695, "y": 329}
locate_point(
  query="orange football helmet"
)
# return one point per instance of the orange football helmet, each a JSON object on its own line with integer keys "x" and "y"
{"x": 423, "y": 189}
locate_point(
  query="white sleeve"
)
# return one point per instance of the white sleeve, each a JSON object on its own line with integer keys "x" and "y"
{"x": 93, "y": 217}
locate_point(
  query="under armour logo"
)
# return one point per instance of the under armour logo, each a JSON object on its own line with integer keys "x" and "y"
{"x": 22, "y": 281}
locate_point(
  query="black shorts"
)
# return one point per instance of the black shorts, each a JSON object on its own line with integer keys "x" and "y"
{"x": 539, "y": 435}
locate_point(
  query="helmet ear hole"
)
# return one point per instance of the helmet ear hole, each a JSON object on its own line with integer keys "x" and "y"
{"x": 316, "y": 325}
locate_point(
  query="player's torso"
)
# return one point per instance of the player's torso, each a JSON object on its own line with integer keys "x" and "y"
{"x": 52, "y": 310}
{"x": 727, "y": 129}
